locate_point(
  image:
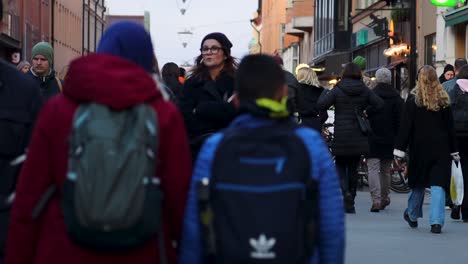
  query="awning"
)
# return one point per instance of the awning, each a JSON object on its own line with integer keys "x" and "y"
{"x": 456, "y": 16}
{"x": 290, "y": 30}
{"x": 304, "y": 23}
{"x": 9, "y": 42}
{"x": 333, "y": 64}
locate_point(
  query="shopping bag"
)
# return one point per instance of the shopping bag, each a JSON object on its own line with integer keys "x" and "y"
{"x": 456, "y": 184}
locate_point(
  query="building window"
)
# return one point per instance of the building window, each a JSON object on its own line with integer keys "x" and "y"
{"x": 295, "y": 56}
{"x": 430, "y": 49}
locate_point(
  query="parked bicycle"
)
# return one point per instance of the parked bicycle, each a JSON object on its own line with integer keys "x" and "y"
{"x": 398, "y": 174}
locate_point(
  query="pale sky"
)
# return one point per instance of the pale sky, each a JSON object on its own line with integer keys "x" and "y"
{"x": 202, "y": 17}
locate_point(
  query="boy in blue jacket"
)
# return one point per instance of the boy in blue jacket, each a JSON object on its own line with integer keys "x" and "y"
{"x": 252, "y": 214}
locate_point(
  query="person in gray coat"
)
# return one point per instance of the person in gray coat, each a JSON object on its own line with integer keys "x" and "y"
{"x": 349, "y": 143}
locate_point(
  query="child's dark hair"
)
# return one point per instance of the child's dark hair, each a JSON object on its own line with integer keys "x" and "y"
{"x": 259, "y": 76}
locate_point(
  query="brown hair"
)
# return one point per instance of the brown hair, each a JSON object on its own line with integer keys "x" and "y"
{"x": 230, "y": 66}
{"x": 429, "y": 92}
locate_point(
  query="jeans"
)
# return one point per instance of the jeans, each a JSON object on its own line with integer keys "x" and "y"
{"x": 379, "y": 178}
{"x": 436, "y": 208}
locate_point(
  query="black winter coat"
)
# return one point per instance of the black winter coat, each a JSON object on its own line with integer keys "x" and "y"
{"x": 293, "y": 86}
{"x": 430, "y": 138}
{"x": 348, "y": 95}
{"x": 48, "y": 85}
{"x": 385, "y": 123}
{"x": 307, "y": 97}
{"x": 205, "y": 108}
{"x": 20, "y": 102}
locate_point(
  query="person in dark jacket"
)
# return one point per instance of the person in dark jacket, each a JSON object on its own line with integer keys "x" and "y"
{"x": 448, "y": 74}
{"x": 117, "y": 76}
{"x": 20, "y": 102}
{"x": 262, "y": 90}
{"x": 208, "y": 93}
{"x": 293, "y": 86}
{"x": 170, "y": 76}
{"x": 460, "y": 89}
{"x": 308, "y": 93}
{"x": 42, "y": 70}
{"x": 349, "y": 143}
{"x": 427, "y": 130}
{"x": 385, "y": 124}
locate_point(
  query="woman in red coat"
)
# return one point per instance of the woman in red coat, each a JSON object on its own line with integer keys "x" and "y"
{"x": 118, "y": 77}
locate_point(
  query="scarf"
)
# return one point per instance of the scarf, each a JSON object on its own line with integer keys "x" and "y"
{"x": 266, "y": 107}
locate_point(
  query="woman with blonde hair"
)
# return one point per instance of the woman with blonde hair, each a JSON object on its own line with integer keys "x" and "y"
{"x": 308, "y": 93}
{"x": 427, "y": 130}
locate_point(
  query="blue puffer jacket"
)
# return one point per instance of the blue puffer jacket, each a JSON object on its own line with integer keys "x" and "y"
{"x": 332, "y": 234}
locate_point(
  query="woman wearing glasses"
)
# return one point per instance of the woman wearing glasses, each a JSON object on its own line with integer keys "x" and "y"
{"x": 207, "y": 94}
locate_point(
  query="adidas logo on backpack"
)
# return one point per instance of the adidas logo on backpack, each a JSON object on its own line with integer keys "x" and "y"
{"x": 262, "y": 247}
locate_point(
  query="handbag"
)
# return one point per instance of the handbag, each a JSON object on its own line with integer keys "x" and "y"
{"x": 363, "y": 122}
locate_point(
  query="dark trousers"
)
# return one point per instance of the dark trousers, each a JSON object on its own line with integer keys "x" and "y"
{"x": 463, "y": 148}
{"x": 347, "y": 169}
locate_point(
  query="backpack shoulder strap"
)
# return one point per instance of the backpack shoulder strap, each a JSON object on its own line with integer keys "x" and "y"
{"x": 59, "y": 83}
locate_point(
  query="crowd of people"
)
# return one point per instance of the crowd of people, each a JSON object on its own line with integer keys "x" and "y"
{"x": 118, "y": 162}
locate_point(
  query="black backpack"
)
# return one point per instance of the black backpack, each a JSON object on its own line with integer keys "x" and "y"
{"x": 460, "y": 112}
{"x": 111, "y": 198}
{"x": 261, "y": 206}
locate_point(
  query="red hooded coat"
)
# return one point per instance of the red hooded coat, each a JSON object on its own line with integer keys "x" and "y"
{"x": 118, "y": 84}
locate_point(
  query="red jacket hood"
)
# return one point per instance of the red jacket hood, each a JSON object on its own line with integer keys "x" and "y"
{"x": 109, "y": 80}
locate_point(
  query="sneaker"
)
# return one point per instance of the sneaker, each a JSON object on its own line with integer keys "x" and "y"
{"x": 436, "y": 229}
{"x": 375, "y": 207}
{"x": 385, "y": 202}
{"x": 455, "y": 214}
{"x": 412, "y": 224}
{"x": 465, "y": 220}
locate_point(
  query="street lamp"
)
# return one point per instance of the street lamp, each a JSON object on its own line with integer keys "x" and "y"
{"x": 256, "y": 24}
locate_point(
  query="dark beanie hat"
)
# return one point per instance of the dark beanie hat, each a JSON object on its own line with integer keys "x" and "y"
{"x": 222, "y": 39}
{"x": 130, "y": 41}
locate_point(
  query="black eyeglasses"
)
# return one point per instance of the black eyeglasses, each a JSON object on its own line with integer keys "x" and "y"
{"x": 206, "y": 50}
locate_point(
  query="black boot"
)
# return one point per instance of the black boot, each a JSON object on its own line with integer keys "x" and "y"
{"x": 349, "y": 203}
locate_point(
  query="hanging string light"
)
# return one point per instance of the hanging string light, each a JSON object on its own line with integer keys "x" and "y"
{"x": 183, "y": 5}
{"x": 185, "y": 36}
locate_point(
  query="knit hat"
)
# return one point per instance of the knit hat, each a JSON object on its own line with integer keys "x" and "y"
{"x": 361, "y": 62}
{"x": 44, "y": 49}
{"x": 222, "y": 39}
{"x": 129, "y": 41}
{"x": 383, "y": 75}
{"x": 22, "y": 64}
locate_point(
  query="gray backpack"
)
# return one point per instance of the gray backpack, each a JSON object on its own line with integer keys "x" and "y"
{"x": 111, "y": 197}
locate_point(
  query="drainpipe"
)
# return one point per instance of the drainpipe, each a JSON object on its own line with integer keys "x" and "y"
{"x": 23, "y": 29}
{"x": 52, "y": 21}
{"x": 95, "y": 24}
{"x": 412, "y": 59}
{"x": 82, "y": 28}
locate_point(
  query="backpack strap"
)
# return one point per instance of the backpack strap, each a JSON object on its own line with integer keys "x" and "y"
{"x": 206, "y": 214}
{"x": 43, "y": 201}
{"x": 59, "y": 83}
